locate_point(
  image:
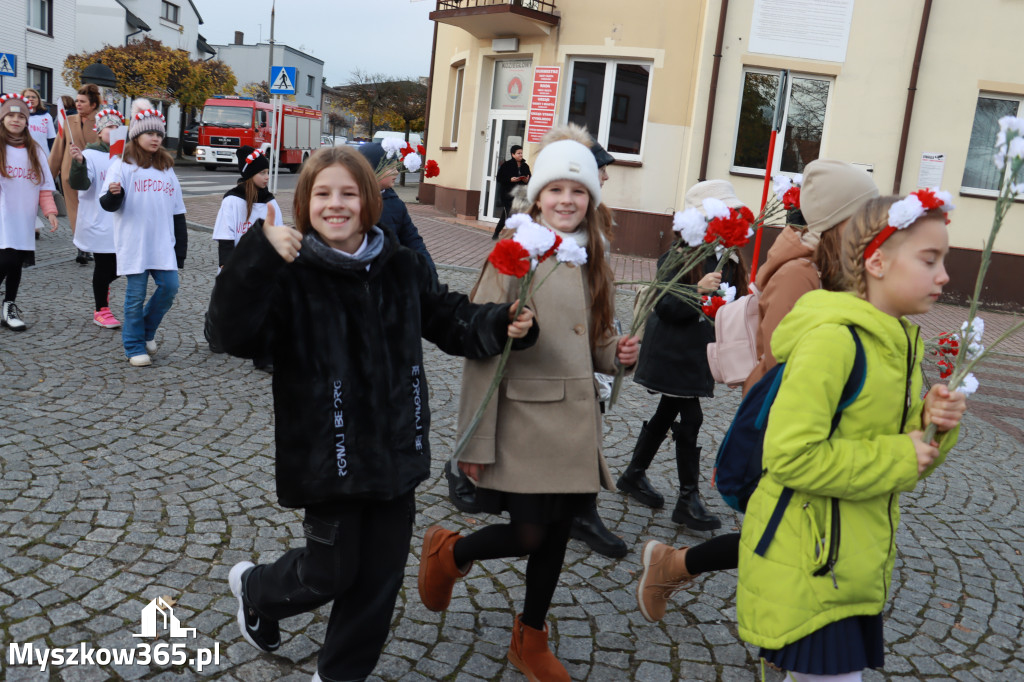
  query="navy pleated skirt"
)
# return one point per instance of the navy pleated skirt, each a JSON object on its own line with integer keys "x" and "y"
{"x": 838, "y": 648}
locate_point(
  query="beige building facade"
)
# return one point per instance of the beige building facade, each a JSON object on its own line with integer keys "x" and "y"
{"x": 684, "y": 90}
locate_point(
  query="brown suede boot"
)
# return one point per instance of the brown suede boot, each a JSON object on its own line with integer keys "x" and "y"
{"x": 529, "y": 652}
{"x": 664, "y": 573}
{"x": 438, "y": 571}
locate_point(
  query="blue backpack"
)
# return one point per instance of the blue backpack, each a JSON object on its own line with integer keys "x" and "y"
{"x": 738, "y": 466}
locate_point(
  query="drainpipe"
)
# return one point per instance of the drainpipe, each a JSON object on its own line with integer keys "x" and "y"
{"x": 714, "y": 88}
{"x": 911, "y": 92}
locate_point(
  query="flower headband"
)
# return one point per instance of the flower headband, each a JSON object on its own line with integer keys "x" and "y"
{"x": 908, "y": 210}
{"x": 255, "y": 154}
{"x": 150, "y": 112}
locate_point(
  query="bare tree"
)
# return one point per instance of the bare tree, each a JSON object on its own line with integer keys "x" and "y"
{"x": 366, "y": 96}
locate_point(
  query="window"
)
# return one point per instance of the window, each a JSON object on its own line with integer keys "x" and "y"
{"x": 805, "y": 106}
{"x": 309, "y": 85}
{"x": 610, "y": 98}
{"x": 40, "y": 15}
{"x": 980, "y": 172}
{"x": 42, "y": 80}
{"x": 169, "y": 11}
{"x": 460, "y": 74}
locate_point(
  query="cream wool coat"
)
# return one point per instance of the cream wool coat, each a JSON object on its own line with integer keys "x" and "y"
{"x": 542, "y": 429}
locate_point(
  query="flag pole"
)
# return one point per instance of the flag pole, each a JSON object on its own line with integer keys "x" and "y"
{"x": 776, "y": 127}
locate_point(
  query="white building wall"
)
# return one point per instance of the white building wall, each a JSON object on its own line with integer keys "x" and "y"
{"x": 99, "y": 23}
{"x": 251, "y": 64}
{"x": 32, "y": 47}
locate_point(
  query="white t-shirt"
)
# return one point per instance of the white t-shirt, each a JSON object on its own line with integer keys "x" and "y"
{"x": 19, "y": 199}
{"x": 232, "y": 222}
{"x": 94, "y": 231}
{"x": 144, "y": 225}
{"x": 41, "y": 128}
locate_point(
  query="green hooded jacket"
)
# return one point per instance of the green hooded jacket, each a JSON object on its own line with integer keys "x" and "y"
{"x": 864, "y": 466}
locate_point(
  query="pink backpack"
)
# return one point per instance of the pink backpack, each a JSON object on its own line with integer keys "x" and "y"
{"x": 733, "y": 355}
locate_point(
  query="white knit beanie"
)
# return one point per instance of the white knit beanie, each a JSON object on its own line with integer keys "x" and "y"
{"x": 564, "y": 160}
{"x": 145, "y": 119}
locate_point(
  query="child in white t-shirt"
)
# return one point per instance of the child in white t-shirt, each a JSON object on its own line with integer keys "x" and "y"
{"x": 142, "y": 191}
{"x": 95, "y": 230}
{"x": 25, "y": 185}
{"x": 245, "y": 203}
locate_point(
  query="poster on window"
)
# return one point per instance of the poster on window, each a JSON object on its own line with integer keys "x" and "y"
{"x": 512, "y": 82}
{"x": 543, "y": 100}
{"x": 807, "y": 29}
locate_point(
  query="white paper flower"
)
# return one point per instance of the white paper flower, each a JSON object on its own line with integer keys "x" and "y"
{"x": 412, "y": 162}
{"x": 571, "y": 253}
{"x": 904, "y": 212}
{"x": 971, "y": 332}
{"x": 691, "y": 226}
{"x": 798, "y": 179}
{"x": 715, "y": 208}
{"x": 1015, "y": 150}
{"x": 945, "y": 197}
{"x": 974, "y": 350}
{"x": 969, "y": 385}
{"x": 517, "y": 219}
{"x": 781, "y": 185}
{"x": 392, "y": 146}
{"x": 536, "y": 239}
{"x": 1017, "y": 188}
{"x": 728, "y": 292}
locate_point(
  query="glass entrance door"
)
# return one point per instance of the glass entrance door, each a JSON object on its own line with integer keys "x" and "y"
{"x": 502, "y": 133}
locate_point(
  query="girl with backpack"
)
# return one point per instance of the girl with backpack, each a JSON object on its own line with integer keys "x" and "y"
{"x": 25, "y": 185}
{"x": 674, "y": 363}
{"x": 802, "y": 259}
{"x": 537, "y": 454}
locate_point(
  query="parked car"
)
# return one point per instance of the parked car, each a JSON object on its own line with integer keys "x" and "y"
{"x": 414, "y": 138}
{"x": 190, "y": 139}
{"x": 333, "y": 141}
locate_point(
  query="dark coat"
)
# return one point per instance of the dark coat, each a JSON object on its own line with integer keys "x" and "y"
{"x": 673, "y": 355}
{"x": 351, "y": 403}
{"x": 395, "y": 216}
{"x": 506, "y": 172}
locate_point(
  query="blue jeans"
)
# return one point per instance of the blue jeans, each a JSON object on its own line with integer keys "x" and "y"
{"x": 141, "y": 321}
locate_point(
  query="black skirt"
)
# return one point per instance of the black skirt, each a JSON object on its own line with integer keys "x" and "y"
{"x": 848, "y": 645}
{"x": 535, "y": 507}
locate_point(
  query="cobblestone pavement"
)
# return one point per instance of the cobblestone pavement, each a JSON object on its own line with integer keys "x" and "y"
{"x": 120, "y": 485}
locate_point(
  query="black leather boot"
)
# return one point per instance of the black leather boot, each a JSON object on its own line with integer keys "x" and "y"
{"x": 634, "y": 479}
{"x": 589, "y": 528}
{"x": 461, "y": 490}
{"x": 689, "y": 510}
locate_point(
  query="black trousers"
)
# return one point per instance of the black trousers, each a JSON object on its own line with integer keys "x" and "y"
{"x": 10, "y": 271}
{"x": 355, "y": 556}
{"x": 103, "y": 273}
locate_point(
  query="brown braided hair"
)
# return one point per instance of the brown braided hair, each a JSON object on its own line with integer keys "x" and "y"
{"x": 828, "y": 256}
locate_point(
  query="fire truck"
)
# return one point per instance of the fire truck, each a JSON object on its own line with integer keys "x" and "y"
{"x": 230, "y": 121}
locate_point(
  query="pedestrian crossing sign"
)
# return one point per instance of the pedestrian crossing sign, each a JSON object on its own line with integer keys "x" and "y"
{"x": 282, "y": 80}
{"x": 8, "y": 64}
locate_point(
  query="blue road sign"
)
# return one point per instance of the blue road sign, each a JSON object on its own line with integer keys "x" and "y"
{"x": 282, "y": 80}
{"x": 8, "y": 64}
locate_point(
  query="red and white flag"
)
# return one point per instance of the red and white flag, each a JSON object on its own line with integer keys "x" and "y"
{"x": 118, "y": 137}
{"x": 62, "y": 120}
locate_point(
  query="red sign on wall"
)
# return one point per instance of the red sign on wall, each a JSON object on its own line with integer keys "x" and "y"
{"x": 543, "y": 101}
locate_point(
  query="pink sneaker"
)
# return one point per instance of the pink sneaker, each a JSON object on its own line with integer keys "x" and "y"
{"x": 104, "y": 318}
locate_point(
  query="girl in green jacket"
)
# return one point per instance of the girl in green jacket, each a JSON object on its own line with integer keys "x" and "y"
{"x": 813, "y": 601}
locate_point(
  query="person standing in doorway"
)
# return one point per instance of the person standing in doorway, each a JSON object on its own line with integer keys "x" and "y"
{"x": 513, "y": 172}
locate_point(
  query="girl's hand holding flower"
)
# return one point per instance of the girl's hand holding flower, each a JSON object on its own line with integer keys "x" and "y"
{"x": 926, "y": 452}
{"x": 628, "y": 350}
{"x": 709, "y": 283}
{"x": 943, "y": 408}
{"x": 519, "y": 327}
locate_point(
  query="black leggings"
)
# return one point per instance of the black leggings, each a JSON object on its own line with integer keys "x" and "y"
{"x": 10, "y": 272}
{"x": 544, "y": 543}
{"x": 669, "y": 407}
{"x": 721, "y": 553}
{"x": 104, "y": 272}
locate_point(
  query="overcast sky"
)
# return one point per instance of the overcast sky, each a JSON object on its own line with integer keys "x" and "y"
{"x": 392, "y": 37}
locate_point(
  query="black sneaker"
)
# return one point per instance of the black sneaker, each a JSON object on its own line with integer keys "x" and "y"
{"x": 262, "y": 633}
{"x": 82, "y": 258}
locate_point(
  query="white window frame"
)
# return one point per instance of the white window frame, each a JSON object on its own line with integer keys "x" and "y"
{"x": 984, "y": 191}
{"x": 460, "y": 83}
{"x": 164, "y": 6}
{"x": 46, "y": 17}
{"x": 607, "y": 98}
{"x": 777, "y": 159}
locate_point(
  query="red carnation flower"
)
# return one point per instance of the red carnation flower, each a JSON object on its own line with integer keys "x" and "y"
{"x": 550, "y": 252}
{"x": 710, "y": 305}
{"x": 730, "y": 232}
{"x": 945, "y": 368}
{"x": 431, "y": 169}
{"x": 791, "y": 199}
{"x": 421, "y": 150}
{"x": 747, "y": 214}
{"x": 928, "y": 199}
{"x": 510, "y": 258}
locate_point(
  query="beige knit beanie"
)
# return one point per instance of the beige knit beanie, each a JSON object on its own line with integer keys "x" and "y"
{"x": 832, "y": 191}
{"x": 711, "y": 189}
